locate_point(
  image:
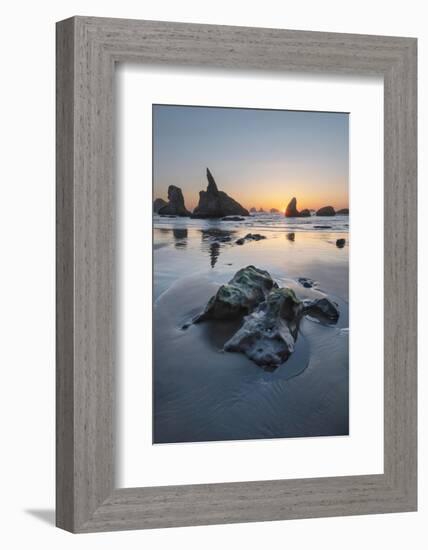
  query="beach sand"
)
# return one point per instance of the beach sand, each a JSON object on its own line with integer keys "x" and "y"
{"x": 202, "y": 393}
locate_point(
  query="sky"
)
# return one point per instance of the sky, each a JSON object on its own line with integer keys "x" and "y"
{"x": 261, "y": 158}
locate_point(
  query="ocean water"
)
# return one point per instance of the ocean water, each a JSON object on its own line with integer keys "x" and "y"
{"x": 202, "y": 393}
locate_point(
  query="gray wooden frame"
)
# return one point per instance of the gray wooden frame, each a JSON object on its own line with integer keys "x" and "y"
{"x": 87, "y": 50}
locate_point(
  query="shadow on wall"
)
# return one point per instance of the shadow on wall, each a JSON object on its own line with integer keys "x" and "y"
{"x": 43, "y": 514}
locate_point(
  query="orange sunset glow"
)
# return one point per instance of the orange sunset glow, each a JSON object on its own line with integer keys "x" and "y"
{"x": 261, "y": 158}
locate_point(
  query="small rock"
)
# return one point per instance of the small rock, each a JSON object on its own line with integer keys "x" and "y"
{"x": 307, "y": 283}
{"x": 250, "y": 237}
{"x": 322, "y": 308}
{"x": 291, "y": 236}
{"x": 340, "y": 243}
{"x": 254, "y": 237}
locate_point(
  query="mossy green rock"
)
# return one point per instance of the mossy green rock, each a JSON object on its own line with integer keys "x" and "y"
{"x": 268, "y": 335}
{"x": 248, "y": 287}
{"x": 271, "y": 315}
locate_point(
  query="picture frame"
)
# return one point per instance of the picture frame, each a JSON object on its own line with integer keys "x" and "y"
{"x": 87, "y": 50}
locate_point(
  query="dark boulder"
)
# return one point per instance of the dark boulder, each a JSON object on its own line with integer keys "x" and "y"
{"x": 340, "y": 243}
{"x": 158, "y": 204}
{"x": 175, "y": 204}
{"x": 268, "y": 335}
{"x": 326, "y": 211}
{"x": 217, "y": 204}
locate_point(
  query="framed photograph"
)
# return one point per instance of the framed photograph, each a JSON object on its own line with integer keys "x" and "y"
{"x": 236, "y": 274}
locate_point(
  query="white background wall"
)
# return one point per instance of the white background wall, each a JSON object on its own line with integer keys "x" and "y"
{"x": 27, "y": 271}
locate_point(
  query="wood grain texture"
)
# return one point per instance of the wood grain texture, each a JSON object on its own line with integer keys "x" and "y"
{"x": 87, "y": 50}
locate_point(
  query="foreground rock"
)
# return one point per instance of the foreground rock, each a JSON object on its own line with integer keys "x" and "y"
{"x": 248, "y": 287}
{"x": 217, "y": 204}
{"x": 158, "y": 204}
{"x": 343, "y": 212}
{"x": 326, "y": 211}
{"x": 340, "y": 243}
{"x": 175, "y": 206}
{"x": 271, "y": 315}
{"x": 268, "y": 335}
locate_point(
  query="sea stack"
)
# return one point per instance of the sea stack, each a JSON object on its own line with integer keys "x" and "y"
{"x": 175, "y": 206}
{"x": 291, "y": 210}
{"x": 326, "y": 211}
{"x": 343, "y": 212}
{"x": 158, "y": 204}
{"x": 214, "y": 203}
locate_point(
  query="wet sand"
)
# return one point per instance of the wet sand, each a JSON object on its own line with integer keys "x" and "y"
{"x": 204, "y": 394}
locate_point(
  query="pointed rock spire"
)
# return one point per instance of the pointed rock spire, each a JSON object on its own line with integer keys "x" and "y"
{"x": 214, "y": 203}
{"x": 212, "y": 186}
{"x": 291, "y": 211}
